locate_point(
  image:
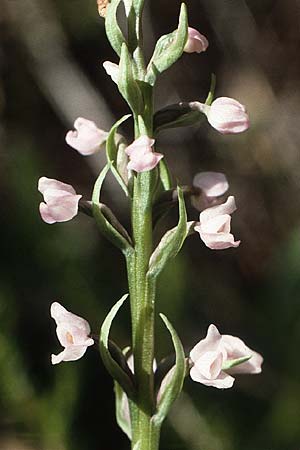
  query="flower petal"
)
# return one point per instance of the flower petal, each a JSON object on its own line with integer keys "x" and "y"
{"x": 225, "y": 208}
{"x": 69, "y": 354}
{"x": 227, "y": 116}
{"x": 44, "y": 184}
{"x": 209, "y": 343}
{"x": 213, "y": 184}
{"x": 112, "y": 70}
{"x": 60, "y": 209}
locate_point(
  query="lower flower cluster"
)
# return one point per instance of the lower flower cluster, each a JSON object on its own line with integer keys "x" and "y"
{"x": 213, "y": 361}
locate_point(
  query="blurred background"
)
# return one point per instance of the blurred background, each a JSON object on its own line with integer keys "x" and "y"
{"x": 51, "y": 54}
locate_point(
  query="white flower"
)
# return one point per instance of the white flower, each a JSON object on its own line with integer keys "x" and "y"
{"x": 214, "y": 226}
{"x": 87, "y": 138}
{"x": 72, "y": 332}
{"x": 212, "y": 356}
{"x": 61, "y": 201}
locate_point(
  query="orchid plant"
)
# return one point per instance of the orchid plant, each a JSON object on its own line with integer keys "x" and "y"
{"x": 145, "y": 390}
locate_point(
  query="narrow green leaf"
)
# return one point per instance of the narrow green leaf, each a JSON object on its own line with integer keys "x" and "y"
{"x": 113, "y": 31}
{"x": 127, "y": 84}
{"x": 111, "y": 365}
{"x": 169, "y": 48}
{"x": 171, "y": 242}
{"x": 235, "y": 362}
{"x": 106, "y": 220}
{"x": 175, "y": 377}
{"x": 165, "y": 176}
{"x": 122, "y": 409}
{"x": 112, "y": 153}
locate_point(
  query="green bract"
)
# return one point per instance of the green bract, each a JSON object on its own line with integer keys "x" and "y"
{"x": 113, "y": 31}
{"x": 170, "y": 243}
{"x": 106, "y": 220}
{"x": 168, "y": 48}
{"x": 174, "y": 386}
{"x": 127, "y": 85}
{"x": 118, "y": 373}
{"x": 112, "y": 153}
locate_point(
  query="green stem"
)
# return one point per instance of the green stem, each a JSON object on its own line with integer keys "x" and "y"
{"x": 145, "y": 436}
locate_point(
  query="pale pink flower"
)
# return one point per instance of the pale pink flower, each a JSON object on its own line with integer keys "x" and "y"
{"x": 141, "y": 156}
{"x": 196, "y": 42}
{"x": 214, "y": 226}
{"x": 212, "y": 185}
{"x": 212, "y": 356}
{"x": 87, "y": 137}
{"x": 61, "y": 201}
{"x": 72, "y": 332}
{"x": 227, "y": 115}
{"x": 112, "y": 70}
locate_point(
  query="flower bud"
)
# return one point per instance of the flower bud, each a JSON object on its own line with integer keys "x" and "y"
{"x": 87, "y": 137}
{"x": 61, "y": 201}
{"x": 196, "y": 42}
{"x": 227, "y": 115}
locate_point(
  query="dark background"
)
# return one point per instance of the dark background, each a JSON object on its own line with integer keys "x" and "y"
{"x": 51, "y": 55}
